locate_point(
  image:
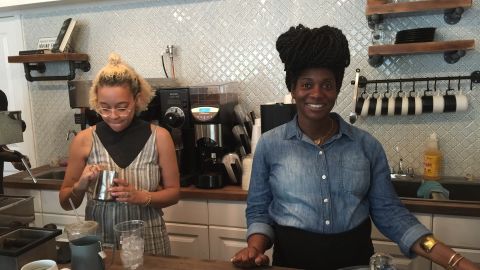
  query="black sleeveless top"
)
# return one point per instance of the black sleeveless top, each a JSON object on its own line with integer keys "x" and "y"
{"x": 125, "y": 145}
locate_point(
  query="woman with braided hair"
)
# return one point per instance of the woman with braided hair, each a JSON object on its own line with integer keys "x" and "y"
{"x": 317, "y": 182}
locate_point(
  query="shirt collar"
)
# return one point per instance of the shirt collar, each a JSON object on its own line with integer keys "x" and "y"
{"x": 292, "y": 129}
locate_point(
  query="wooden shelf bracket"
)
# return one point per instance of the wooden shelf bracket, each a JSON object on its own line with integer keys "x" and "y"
{"x": 40, "y": 68}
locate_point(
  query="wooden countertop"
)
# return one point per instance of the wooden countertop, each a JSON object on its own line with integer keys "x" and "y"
{"x": 175, "y": 263}
{"x": 235, "y": 193}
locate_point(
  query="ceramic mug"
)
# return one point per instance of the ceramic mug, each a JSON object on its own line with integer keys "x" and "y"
{"x": 41, "y": 265}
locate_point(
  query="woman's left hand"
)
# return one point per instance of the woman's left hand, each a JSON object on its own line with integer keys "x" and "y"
{"x": 125, "y": 192}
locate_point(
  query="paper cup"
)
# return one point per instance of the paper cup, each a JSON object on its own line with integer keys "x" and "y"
{"x": 41, "y": 265}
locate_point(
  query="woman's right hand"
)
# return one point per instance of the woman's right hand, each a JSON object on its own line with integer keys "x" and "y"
{"x": 249, "y": 257}
{"x": 90, "y": 173}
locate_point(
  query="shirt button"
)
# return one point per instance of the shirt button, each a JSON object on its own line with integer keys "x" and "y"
{"x": 327, "y": 222}
{"x": 320, "y": 153}
{"x": 325, "y": 200}
{"x": 324, "y": 176}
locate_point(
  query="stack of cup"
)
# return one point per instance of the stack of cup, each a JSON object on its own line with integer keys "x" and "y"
{"x": 256, "y": 132}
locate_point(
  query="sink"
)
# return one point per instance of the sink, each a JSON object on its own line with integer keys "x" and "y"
{"x": 16, "y": 210}
{"x": 52, "y": 174}
{"x": 459, "y": 188}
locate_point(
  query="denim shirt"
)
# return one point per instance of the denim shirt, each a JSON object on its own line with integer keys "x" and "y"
{"x": 326, "y": 189}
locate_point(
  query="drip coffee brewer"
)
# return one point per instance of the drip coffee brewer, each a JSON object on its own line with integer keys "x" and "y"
{"x": 209, "y": 143}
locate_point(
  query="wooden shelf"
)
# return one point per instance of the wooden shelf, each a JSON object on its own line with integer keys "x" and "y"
{"x": 416, "y": 6}
{"x": 37, "y": 62}
{"x": 50, "y": 57}
{"x": 421, "y": 47}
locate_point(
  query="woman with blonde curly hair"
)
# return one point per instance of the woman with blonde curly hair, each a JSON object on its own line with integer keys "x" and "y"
{"x": 142, "y": 154}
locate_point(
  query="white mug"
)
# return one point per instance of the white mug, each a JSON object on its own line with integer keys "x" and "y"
{"x": 438, "y": 104}
{"x": 418, "y": 105}
{"x": 462, "y": 102}
{"x": 365, "y": 106}
{"x": 404, "y": 105}
{"x": 391, "y": 106}
{"x": 41, "y": 265}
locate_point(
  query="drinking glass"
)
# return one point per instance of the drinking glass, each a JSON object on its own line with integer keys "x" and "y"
{"x": 381, "y": 261}
{"x": 129, "y": 238}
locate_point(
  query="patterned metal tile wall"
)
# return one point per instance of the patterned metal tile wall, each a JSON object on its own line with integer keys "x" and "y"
{"x": 233, "y": 40}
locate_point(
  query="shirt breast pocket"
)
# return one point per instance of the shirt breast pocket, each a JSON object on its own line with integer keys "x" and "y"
{"x": 355, "y": 176}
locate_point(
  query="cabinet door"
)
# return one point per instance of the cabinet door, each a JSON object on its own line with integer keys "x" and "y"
{"x": 472, "y": 255}
{"x": 188, "y": 240}
{"x": 457, "y": 231}
{"x": 187, "y": 211}
{"x": 402, "y": 262}
{"x": 227, "y": 213}
{"x": 225, "y": 242}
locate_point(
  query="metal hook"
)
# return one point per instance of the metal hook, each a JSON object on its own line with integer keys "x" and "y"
{"x": 428, "y": 88}
{"x": 413, "y": 89}
{"x": 375, "y": 93}
{"x": 448, "y": 88}
{"x": 458, "y": 85}
{"x": 388, "y": 90}
{"x": 400, "y": 91}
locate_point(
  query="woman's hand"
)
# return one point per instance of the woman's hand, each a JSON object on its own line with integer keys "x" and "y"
{"x": 249, "y": 257}
{"x": 89, "y": 174}
{"x": 124, "y": 192}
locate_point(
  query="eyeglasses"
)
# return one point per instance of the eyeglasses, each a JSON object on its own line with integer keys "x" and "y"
{"x": 107, "y": 112}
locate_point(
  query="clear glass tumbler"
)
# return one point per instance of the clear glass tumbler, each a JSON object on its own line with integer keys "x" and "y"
{"x": 381, "y": 261}
{"x": 130, "y": 242}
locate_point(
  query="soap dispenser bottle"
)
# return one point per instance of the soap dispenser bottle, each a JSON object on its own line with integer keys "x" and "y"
{"x": 432, "y": 159}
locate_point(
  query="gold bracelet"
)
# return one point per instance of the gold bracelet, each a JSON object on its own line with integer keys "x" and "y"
{"x": 451, "y": 258}
{"x": 148, "y": 201}
{"x": 457, "y": 261}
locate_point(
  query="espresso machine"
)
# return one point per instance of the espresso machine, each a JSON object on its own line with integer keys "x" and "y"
{"x": 213, "y": 119}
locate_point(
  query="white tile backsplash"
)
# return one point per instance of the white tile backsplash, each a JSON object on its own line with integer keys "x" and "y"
{"x": 234, "y": 40}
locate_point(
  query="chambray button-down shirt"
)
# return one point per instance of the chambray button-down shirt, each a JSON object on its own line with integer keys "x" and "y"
{"x": 326, "y": 189}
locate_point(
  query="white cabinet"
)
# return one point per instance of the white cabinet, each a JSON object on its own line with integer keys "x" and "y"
{"x": 187, "y": 211}
{"x": 383, "y": 244}
{"x": 188, "y": 240}
{"x": 460, "y": 233}
{"x": 225, "y": 242}
{"x": 187, "y": 227}
{"x": 207, "y": 229}
{"x": 227, "y": 213}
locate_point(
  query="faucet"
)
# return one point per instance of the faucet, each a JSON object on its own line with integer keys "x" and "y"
{"x": 401, "y": 169}
{"x": 70, "y": 132}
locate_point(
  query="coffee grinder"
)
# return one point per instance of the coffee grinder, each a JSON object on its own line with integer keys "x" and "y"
{"x": 171, "y": 107}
